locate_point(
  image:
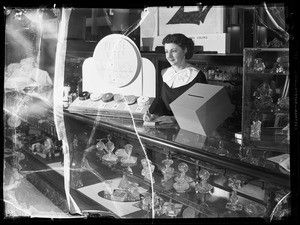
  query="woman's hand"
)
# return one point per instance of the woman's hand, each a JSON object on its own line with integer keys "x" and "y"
{"x": 148, "y": 117}
{"x": 165, "y": 119}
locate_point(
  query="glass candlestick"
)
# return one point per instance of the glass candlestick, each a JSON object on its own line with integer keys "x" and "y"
{"x": 233, "y": 205}
{"x": 203, "y": 187}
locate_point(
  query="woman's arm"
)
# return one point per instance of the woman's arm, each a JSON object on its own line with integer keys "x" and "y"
{"x": 165, "y": 119}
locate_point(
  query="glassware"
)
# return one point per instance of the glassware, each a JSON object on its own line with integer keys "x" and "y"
{"x": 128, "y": 149}
{"x": 181, "y": 185}
{"x": 283, "y": 206}
{"x": 259, "y": 65}
{"x": 167, "y": 171}
{"x": 287, "y": 130}
{"x": 157, "y": 205}
{"x": 171, "y": 209}
{"x": 255, "y": 130}
{"x": 234, "y": 205}
{"x": 221, "y": 150}
{"x": 110, "y": 146}
{"x": 145, "y": 171}
{"x": 127, "y": 159}
{"x": 101, "y": 148}
{"x": 203, "y": 187}
{"x": 255, "y": 210}
{"x": 263, "y": 97}
{"x": 108, "y": 189}
{"x": 283, "y": 104}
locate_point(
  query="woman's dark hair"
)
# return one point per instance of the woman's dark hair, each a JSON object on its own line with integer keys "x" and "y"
{"x": 182, "y": 41}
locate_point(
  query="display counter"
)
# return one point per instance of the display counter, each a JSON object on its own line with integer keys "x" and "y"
{"x": 219, "y": 155}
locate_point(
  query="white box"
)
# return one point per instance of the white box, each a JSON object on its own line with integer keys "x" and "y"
{"x": 202, "y": 108}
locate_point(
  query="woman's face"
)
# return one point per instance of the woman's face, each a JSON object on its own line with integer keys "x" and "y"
{"x": 175, "y": 54}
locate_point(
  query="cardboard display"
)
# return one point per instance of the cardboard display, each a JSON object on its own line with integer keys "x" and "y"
{"x": 116, "y": 67}
{"x": 202, "y": 108}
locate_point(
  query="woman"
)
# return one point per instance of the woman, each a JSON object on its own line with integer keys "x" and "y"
{"x": 177, "y": 78}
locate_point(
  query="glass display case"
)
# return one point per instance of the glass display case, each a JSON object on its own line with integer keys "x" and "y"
{"x": 266, "y": 98}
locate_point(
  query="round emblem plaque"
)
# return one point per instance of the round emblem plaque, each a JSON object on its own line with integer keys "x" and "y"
{"x": 118, "y": 60}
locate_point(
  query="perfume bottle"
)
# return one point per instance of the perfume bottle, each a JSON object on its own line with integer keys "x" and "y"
{"x": 146, "y": 173}
{"x": 110, "y": 146}
{"x": 127, "y": 158}
{"x": 181, "y": 185}
{"x": 167, "y": 171}
{"x": 203, "y": 187}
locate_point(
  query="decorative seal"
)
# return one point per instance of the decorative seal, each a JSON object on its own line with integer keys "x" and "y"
{"x": 130, "y": 99}
{"x": 107, "y": 97}
{"x": 96, "y": 96}
{"x": 118, "y": 98}
{"x": 84, "y": 95}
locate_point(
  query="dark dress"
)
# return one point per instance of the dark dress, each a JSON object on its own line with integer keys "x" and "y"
{"x": 160, "y": 105}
